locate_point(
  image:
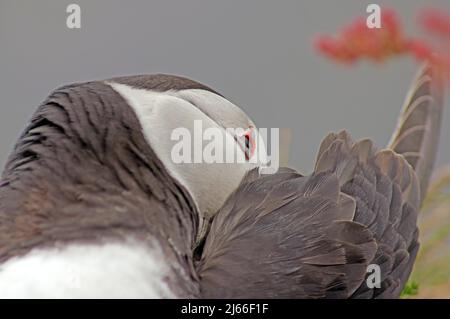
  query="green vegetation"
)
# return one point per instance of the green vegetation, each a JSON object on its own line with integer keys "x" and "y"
{"x": 432, "y": 268}
{"x": 411, "y": 289}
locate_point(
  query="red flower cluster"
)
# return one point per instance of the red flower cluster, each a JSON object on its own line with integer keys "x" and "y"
{"x": 436, "y": 22}
{"x": 357, "y": 41}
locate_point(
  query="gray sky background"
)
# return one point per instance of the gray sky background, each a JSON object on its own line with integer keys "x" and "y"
{"x": 258, "y": 53}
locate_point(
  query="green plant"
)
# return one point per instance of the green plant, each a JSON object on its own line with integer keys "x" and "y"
{"x": 411, "y": 289}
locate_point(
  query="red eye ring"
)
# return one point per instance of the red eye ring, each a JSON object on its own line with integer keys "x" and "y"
{"x": 250, "y": 143}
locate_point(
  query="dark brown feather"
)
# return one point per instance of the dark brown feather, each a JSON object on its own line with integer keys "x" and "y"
{"x": 288, "y": 236}
{"x": 418, "y": 128}
{"x": 83, "y": 171}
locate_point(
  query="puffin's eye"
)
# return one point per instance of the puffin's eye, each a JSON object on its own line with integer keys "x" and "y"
{"x": 246, "y": 142}
{"x": 249, "y": 143}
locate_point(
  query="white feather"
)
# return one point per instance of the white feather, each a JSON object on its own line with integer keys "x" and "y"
{"x": 109, "y": 270}
{"x": 159, "y": 113}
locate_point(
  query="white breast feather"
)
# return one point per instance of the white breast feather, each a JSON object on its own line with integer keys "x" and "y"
{"x": 110, "y": 270}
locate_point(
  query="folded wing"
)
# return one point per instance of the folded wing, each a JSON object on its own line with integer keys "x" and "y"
{"x": 292, "y": 236}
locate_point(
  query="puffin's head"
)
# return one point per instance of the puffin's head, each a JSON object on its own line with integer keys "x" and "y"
{"x": 185, "y": 123}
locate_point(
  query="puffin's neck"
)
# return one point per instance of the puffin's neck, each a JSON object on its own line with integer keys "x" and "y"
{"x": 83, "y": 172}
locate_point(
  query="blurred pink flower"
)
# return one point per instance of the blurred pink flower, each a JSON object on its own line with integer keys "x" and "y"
{"x": 356, "y": 41}
{"x": 435, "y": 21}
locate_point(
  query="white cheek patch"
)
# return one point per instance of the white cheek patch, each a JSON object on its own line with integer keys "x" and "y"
{"x": 216, "y": 105}
{"x": 110, "y": 270}
{"x": 159, "y": 114}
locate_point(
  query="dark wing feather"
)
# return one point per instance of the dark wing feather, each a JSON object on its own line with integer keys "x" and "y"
{"x": 290, "y": 236}
{"x": 417, "y": 133}
{"x": 286, "y": 236}
{"x": 386, "y": 190}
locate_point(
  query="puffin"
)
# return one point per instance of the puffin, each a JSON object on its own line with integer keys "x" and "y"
{"x": 93, "y": 206}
